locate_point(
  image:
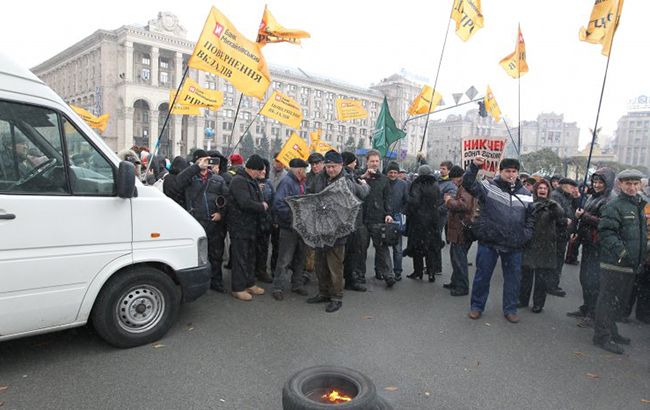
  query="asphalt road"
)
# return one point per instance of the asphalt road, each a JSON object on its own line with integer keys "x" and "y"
{"x": 414, "y": 341}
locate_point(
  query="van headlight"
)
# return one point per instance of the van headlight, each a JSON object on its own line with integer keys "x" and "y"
{"x": 203, "y": 251}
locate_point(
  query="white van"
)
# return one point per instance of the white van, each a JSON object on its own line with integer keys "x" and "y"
{"x": 80, "y": 238}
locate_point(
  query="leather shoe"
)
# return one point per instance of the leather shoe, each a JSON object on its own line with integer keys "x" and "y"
{"x": 585, "y": 322}
{"x": 611, "y": 346}
{"x": 448, "y": 285}
{"x": 245, "y": 296}
{"x": 536, "y": 309}
{"x": 414, "y": 276}
{"x": 621, "y": 340}
{"x": 278, "y": 295}
{"x": 458, "y": 292}
{"x": 432, "y": 277}
{"x": 318, "y": 299}
{"x": 355, "y": 287}
{"x": 333, "y": 306}
{"x": 390, "y": 282}
{"x": 474, "y": 314}
{"x": 556, "y": 292}
{"x": 577, "y": 313}
{"x": 255, "y": 290}
{"x": 300, "y": 291}
{"x": 512, "y": 318}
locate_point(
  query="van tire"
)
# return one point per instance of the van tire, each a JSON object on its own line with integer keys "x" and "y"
{"x": 136, "y": 307}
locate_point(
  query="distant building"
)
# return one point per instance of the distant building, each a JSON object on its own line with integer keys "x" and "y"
{"x": 549, "y": 131}
{"x": 632, "y": 136}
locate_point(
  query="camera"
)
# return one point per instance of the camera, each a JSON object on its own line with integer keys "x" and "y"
{"x": 214, "y": 161}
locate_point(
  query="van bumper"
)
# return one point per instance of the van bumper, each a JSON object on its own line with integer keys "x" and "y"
{"x": 194, "y": 281}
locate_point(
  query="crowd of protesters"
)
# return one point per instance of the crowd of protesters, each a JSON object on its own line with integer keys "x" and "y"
{"x": 533, "y": 224}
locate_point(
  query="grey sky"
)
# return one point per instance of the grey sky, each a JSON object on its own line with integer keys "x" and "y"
{"x": 363, "y": 41}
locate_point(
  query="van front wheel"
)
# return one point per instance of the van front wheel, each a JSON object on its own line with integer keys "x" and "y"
{"x": 136, "y": 307}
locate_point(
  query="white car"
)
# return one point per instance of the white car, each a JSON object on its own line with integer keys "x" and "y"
{"x": 84, "y": 240}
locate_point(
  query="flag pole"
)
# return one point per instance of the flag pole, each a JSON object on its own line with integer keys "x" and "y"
{"x": 241, "y": 97}
{"x": 246, "y": 130}
{"x": 162, "y": 130}
{"x": 511, "y": 138}
{"x": 435, "y": 81}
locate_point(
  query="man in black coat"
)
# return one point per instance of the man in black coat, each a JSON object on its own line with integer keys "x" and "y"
{"x": 563, "y": 195}
{"x": 245, "y": 207}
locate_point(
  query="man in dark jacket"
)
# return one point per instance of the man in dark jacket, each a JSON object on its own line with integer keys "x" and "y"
{"x": 316, "y": 165}
{"x": 329, "y": 261}
{"x": 291, "y": 252}
{"x": 447, "y": 187}
{"x": 265, "y": 228}
{"x": 602, "y": 184}
{"x": 354, "y": 254}
{"x": 502, "y": 228}
{"x": 170, "y": 184}
{"x": 622, "y": 232}
{"x": 377, "y": 210}
{"x": 398, "y": 198}
{"x": 204, "y": 197}
{"x": 563, "y": 195}
{"x": 245, "y": 207}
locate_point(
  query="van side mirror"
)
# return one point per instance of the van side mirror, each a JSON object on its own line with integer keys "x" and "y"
{"x": 126, "y": 180}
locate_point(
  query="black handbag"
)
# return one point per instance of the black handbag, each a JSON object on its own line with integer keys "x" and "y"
{"x": 386, "y": 234}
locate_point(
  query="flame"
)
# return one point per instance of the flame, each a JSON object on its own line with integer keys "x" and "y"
{"x": 336, "y": 397}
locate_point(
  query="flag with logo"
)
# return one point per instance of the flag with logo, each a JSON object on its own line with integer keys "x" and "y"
{"x": 515, "y": 63}
{"x": 180, "y": 109}
{"x": 491, "y": 105}
{"x": 99, "y": 123}
{"x": 271, "y": 31}
{"x": 223, "y": 51}
{"x": 603, "y": 22}
{"x": 421, "y": 103}
{"x": 316, "y": 144}
{"x": 295, "y": 147}
{"x": 194, "y": 95}
{"x": 347, "y": 110}
{"x": 468, "y": 17}
{"x": 284, "y": 109}
{"x": 386, "y": 132}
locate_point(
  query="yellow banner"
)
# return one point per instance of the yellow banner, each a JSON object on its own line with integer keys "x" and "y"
{"x": 347, "y": 110}
{"x": 223, "y": 51}
{"x": 491, "y": 105}
{"x": 316, "y": 144}
{"x": 179, "y": 109}
{"x": 468, "y": 17}
{"x": 271, "y": 31}
{"x": 421, "y": 103}
{"x": 603, "y": 22}
{"x": 284, "y": 109}
{"x": 515, "y": 63}
{"x": 99, "y": 123}
{"x": 295, "y": 147}
{"x": 194, "y": 95}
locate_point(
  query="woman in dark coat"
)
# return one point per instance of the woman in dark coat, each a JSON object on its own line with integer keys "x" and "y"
{"x": 539, "y": 254}
{"x": 170, "y": 187}
{"x": 423, "y": 220}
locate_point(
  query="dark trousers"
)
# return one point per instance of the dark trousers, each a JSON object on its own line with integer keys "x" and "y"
{"x": 397, "y": 249}
{"x": 419, "y": 261}
{"x": 216, "y": 234}
{"x": 589, "y": 279}
{"x": 615, "y": 290}
{"x": 353, "y": 256}
{"x": 554, "y": 279}
{"x": 539, "y": 292}
{"x": 291, "y": 255}
{"x": 486, "y": 260}
{"x": 243, "y": 263}
{"x": 643, "y": 296}
{"x": 261, "y": 253}
{"x": 329, "y": 270}
{"x": 458, "y": 256}
{"x": 383, "y": 263}
{"x": 275, "y": 246}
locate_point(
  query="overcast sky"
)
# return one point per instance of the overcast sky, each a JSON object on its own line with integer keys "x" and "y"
{"x": 363, "y": 41}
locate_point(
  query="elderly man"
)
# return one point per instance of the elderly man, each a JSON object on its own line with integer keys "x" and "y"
{"x": 329, "y": 261}
{"x": 503, "y": 228}
{"x": 291, "y": 252}
{"x": 563, "y": 195}
{"x": 622, "y": 231}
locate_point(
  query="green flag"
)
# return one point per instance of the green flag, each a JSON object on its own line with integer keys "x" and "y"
{"x": 386, "y": 132}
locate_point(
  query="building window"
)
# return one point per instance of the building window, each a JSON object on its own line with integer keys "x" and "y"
{"x": 145, "y": 74}
{"x": 275, "y": 131}
{"x": 226, "y": 126}
{"x": 146, "y": 60}
{"x": 304, "y": 90}
{"x": 287, "y": 133}
{"x": 318, "y": 93}
{"x": 164, "y": 77}
{"x": 164, "y": 63}
{"x": 342, "y": 128}
{"x": 292, "y": 87}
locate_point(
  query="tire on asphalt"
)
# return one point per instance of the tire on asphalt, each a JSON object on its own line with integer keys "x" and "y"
{"x": 382, "y": 404}
{"x": 295, "y": 390}
{"x": 135, "y": 307}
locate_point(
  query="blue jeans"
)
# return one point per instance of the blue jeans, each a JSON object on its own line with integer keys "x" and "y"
{"x": 486, "y": 260}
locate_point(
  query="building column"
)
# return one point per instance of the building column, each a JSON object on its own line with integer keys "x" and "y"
{"x": 178, "y": 65}
{"x": 153, "y": 128}
{"x": 128, "y": 70}
{"x": 154, "y": 66}
{"x": 177, "y": 136}
{"x": 128, "y": 129}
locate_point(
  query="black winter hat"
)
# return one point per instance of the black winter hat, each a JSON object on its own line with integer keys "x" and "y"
{"x": 509, "y": 163}
{"x": 456, "y": 171}
{"x": 199, "y": 153}
{"x": 255, "y": 162}
{"x": 333, "y": 157}
{"x": 315, "y": 157}
{"x": 298, "y": 163}
{"x": 348, "y": 157}
{"x": 392, "y": 166}
{"x": 568, "y": 181}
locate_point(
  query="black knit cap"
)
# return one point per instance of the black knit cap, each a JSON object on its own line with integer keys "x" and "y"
{"x": 255, "y": 162}
{"x": 392, "y": 166}
{"x": 348, "y": 157}
{"x": 315, "y": 157}
{"x": 199, "y": 153}
{"x": 568, "y": 181}
{"x": 456, "y": 171}
{"x": 509, "y": 163}
{"x": 333, "y": 157}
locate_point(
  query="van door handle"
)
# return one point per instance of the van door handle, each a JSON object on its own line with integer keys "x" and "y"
{"x": 7, "y": 216}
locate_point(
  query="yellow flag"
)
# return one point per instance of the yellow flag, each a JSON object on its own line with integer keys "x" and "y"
{"x": 295, "y": 147}
{"x": 515, "y": 63}
{"x": 468, "y": 17}
{"x": 421, "y": 103}
{"x": 284, "y": 109}
{"x": 603, "y": 22}
{"x": 491, "y": 105}
{"x": 347, "y": 110}
{"x": 180, "y": 109}
{"x": 316, "y": 144}
{"x": 223, "y": 51}
{"x": 271, "y": 31}
{"x": 194, "y": 95}
{"x": 99, "y": 123}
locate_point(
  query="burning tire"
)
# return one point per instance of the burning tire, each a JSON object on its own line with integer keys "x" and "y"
{"x": 327, "y": 387}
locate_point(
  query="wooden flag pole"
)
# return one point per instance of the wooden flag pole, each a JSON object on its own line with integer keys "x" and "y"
{"x": 435, "y": 81}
